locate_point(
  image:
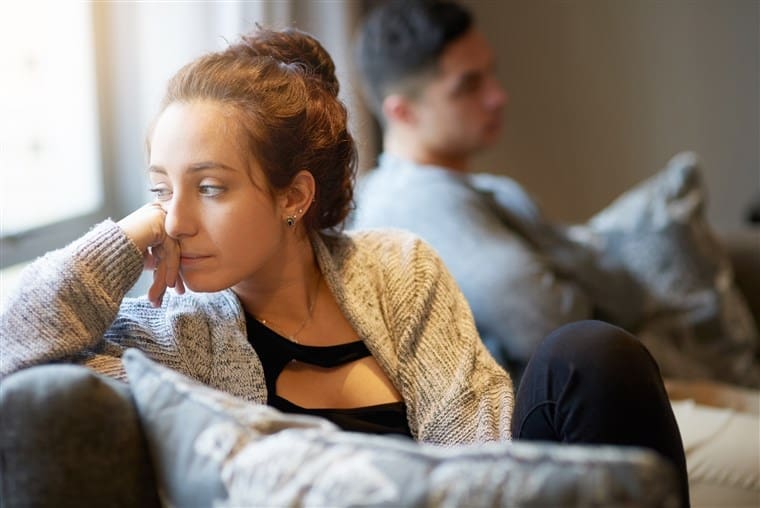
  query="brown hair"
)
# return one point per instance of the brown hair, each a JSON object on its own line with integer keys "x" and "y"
{"x": 283, "y": 89}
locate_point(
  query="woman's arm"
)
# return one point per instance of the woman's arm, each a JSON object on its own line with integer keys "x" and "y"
{"x": 67, "y": 299}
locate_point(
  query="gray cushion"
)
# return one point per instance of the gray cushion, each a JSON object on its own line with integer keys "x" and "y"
{"x": 214, "y": 449}
{"x": 70, "y": 437}
{"x": 191, "y": 430}
{"x": 694, "y": 319}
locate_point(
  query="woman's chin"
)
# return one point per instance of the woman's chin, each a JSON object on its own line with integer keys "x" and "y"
{"x": 200, "y": 286}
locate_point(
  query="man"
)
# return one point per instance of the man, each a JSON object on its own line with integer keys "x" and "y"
{"x": 429, "y": 77}
{"x": 648, "y": 262}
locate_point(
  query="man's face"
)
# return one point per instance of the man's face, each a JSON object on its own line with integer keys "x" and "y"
{"x": 459, "y": 111}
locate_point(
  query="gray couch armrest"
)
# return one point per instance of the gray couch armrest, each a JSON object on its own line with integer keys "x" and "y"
{"x": 70, "y": 437}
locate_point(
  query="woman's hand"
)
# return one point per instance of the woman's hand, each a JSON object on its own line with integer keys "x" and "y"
{"x": 161, "y": 253}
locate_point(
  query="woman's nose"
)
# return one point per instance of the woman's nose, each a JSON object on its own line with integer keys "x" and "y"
{"x": 180, "y": 217}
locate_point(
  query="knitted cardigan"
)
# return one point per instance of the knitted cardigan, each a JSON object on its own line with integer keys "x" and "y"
{"x": 394, "y": 290}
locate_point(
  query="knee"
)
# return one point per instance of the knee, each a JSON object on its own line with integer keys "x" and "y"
{"x": 598, "y": 346}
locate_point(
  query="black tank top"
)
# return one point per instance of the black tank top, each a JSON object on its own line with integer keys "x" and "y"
{"x": 275, "y": 352}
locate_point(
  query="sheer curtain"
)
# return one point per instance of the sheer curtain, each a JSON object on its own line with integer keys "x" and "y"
{"x": 140, "y": 45}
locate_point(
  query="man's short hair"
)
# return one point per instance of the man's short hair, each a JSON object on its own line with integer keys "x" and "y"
{"x": 399, "y": 44}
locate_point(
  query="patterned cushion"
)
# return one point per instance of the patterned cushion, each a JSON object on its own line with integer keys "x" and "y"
{"x": 212, "y": 449}
{"x": 694, "y": 320}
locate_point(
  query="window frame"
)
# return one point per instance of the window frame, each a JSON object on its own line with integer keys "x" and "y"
{"x": 24, "y": 246}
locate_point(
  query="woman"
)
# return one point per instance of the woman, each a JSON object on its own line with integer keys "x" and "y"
{"x": 252, "y": 168}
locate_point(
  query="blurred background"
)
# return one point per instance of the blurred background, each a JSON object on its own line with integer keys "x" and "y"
{"x": 602, "y": 94}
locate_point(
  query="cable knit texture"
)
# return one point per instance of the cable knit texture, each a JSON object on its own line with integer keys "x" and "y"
{"x": 395, "y": 291}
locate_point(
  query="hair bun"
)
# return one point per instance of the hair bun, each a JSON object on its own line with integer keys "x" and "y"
{"x": 293, "y": 46}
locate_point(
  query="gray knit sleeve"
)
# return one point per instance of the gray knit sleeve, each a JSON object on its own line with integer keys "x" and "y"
{"x": 66, "y": 300}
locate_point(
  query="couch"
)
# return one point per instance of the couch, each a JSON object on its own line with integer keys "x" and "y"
{"x": 71, "y": 438}
{"x": 720, "y": 422}
{"x": 743, "y": 247}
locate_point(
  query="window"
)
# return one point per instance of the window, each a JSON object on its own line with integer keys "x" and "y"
{"x": 51, "y": 179}
{"x": 81, "y": 83}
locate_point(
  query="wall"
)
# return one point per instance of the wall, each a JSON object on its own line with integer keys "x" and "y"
{"x": 604, "y": 92}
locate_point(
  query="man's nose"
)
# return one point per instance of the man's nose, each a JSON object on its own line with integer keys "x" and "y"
{"x": 496, "y": 96}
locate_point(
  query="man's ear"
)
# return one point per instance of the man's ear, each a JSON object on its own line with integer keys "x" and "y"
{"x": 398, "y": 109}
{"x": 298, "y": 197}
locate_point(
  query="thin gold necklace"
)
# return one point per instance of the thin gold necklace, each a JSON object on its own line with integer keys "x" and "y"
{"x": 310, "y": 313}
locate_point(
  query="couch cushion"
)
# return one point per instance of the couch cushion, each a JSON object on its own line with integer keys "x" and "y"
{"x": 192, "y": 428}
{"x": 70, "y": 437}
{"x": 695, "y": 321}
{"x": 213, "y": 449}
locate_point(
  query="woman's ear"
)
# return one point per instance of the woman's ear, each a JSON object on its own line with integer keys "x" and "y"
{"x": 298, "y": 197}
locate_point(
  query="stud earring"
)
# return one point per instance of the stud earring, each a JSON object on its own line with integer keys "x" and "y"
{"x": 290, "y": 220}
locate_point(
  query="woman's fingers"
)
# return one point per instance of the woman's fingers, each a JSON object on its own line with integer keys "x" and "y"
{"x": 158, "y": 286}
{"x": 150, "y": 262}
{"x": 171, "y": 260}
{"x": 179, "y": 286}
{"x": 145, "y": 227}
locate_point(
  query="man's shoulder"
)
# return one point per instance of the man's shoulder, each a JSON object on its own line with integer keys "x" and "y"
{"x": 406, "y": 176}
{"x": 495, "y": 183}
{"x": 402, "y": 196}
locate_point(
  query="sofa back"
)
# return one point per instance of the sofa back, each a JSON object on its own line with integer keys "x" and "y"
{"x": 743, "y": 248}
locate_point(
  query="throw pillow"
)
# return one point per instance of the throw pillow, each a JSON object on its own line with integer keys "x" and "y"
{"x": 694, "y": 320}
{"x": 212, "y": 449}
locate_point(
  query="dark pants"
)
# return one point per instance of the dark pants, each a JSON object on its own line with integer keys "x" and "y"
{"x": 590, "y": 382}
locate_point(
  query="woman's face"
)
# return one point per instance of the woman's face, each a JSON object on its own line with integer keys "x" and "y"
{"x": 219, "y": 208}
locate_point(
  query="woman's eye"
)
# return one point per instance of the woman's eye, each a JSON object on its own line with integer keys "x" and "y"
{"x": 210, "y": 190}
{"x": 161, "y": 193}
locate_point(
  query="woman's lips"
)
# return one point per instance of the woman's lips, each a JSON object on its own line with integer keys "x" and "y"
{"x": 188, "y": 260}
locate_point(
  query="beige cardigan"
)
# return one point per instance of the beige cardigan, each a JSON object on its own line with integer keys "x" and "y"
{"x": 390, "y": 285}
